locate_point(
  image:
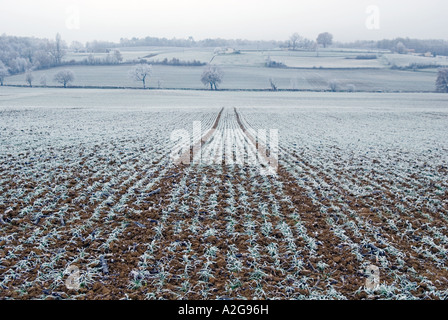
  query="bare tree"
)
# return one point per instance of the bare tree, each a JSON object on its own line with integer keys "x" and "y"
{"x": 400, "y": 48}
{"x": 294, "y": 40}
{"x": 334, "y": 85}
{"x": 29, "y": 77}
{"x": 141, "y": 72}
{"x": 212, "y": 76}
{"x": 3, "y": 73}
{"x": 76, "y": 46}
{"x": 307, "y": 44}
{"x": 273, "y": 84}
{"x": 42, "y": 59}
{"x": 325, "y": 39}
{"x": 118, "y": 57}
{"x": 64, "y": 77}
{"x": 442, "y": 81}
{"x": 57, "y": 49}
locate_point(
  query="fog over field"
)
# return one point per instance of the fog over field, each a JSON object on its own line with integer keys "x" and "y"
{"x": 194, "y": 151}
{"x": 250, "y": 19}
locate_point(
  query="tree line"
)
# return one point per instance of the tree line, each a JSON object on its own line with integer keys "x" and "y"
{"x": 402, "y": 45}
{"x": 19, "y": 54}
{"x": 191, "y": 42}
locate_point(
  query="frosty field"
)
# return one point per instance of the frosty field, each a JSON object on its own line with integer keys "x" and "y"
{"x": 247, "y": 71}
{"x": 88, "y": 185}
{"x": 247, "y": 78}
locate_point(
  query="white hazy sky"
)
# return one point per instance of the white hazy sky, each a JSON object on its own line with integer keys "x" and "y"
{"x": 86, "y": 20}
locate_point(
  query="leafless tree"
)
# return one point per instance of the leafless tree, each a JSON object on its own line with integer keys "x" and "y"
{"x": 57, "y": 49}
{"x": 29, "y": 77}
{"x": 294, "y": 40}
{"x": 400, "y": 48}
{"x": 325, "y": 39}
{"x": 64, "y": 77}
{"x": 140, "y": 73}
{"x": 212, "y": 76}
{"x": 334, "y": 85}
{"x": 442, "y": 81}
{"x": 76, "y": 46}
{"x": 273, "y": 84}
{"x": 118, "y": 57}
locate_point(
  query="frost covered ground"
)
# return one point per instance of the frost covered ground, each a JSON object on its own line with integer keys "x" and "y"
{"x": 87, "y": 184}
{"x": 247, "y": 77}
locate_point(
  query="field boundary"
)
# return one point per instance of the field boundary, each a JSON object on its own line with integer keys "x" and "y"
{"x": 208, "y": 90}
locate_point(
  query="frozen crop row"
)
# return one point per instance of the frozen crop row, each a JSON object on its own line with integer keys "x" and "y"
{"x": 379, "y": 178}
{"x": 69, "y": 180}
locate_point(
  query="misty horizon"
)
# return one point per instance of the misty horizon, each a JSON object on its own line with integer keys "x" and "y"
{"x": 252, "y": 20}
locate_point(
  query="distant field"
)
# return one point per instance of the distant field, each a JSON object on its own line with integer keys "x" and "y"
{"x": 240, "y": 77}
{"x": 253, "y": 58}
{"x": 159, "y": 53}
{"x": 312, "y": 59}
{"x": 324, "y": 58}
{"x": 258, "y": 58}
{"x": 128, "y": 53}
{"x": 402, "y": 60}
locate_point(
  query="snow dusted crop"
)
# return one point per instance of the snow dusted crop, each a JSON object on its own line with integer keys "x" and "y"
{"x": 353, "y": 189}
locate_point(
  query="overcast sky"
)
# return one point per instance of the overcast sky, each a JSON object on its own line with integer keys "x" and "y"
{"x": 348, "y": 20}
